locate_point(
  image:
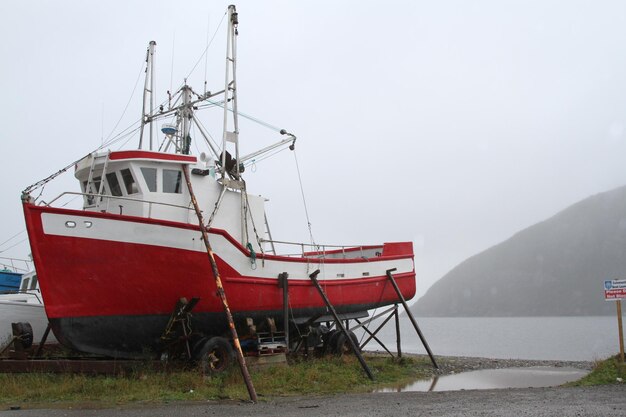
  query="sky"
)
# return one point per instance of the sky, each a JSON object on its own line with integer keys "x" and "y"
{"x": 451, "y": 124}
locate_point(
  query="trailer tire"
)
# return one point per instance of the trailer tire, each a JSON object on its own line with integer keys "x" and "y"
{"x": 332, "y": 341}
{"x": 24, "y": 331}
{"x": 215, "y": 356}
{"x": 327, "y": 346}
{"x": 342, "y": 345}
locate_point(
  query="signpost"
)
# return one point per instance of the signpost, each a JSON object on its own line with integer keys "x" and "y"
{"x": 615, "y": 290}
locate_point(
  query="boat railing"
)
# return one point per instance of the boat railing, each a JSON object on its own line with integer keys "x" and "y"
{"x": 16, "y": 265}
{"x": 108, "y": 198}
{"x": 307, "y": 250}
{"x": 325, "y": 251}
{"x": 36, "y": 292}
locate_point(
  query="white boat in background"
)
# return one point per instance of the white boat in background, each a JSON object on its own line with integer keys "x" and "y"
{"x": 24, "y": 305}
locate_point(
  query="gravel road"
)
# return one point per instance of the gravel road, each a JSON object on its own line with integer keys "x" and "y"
{"x": 608, "y": 400}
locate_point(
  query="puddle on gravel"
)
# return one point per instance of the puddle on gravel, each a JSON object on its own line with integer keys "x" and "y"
{"x": 530, "y": 377}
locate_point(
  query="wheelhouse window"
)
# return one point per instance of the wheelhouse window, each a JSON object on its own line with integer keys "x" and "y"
{"x": 150, "y": 176}
{"x": 172, "y": 181}
{"x": 114, "y": 184}
{"x": 129, "y": 182}
{"x": 33, "y": 284}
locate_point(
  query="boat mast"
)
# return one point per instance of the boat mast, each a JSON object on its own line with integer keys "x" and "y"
{"x": 148, "y": 94}
{"x": 232, "y": 136}
{"x": 230, "y": 89}
{"x": 186, "y": 114}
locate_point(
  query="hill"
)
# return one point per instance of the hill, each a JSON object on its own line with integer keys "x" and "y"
{"x": 553, "y": 268}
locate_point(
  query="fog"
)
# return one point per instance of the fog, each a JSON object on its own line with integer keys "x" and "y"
{"x": 450, "y": 124}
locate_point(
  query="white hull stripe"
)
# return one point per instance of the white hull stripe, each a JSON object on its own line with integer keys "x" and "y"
{"x": 179, "y": 238}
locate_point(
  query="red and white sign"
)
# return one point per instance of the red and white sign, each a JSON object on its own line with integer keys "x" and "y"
{"x": 615, "y": 289}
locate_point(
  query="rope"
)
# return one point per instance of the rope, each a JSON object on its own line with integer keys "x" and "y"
{"x": 252, "y": 255}
{"x": 306, "y": 211}
{"x": 12, "y": 237}
{"x": 127, "y": 104}
{"x": 256, "y": 233}
{"x": 207, "y": 47}
{"x": 14, "y": 245}
{"x": 38, "y": 184}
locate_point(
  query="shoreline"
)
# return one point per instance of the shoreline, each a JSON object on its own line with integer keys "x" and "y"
{"x": 458, "y": 364}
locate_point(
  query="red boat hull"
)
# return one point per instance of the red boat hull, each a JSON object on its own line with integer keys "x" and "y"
{"x": 115, "y": 297}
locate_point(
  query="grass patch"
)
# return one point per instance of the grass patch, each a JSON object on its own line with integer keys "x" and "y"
{"x": 609, "y": 371}
{"x": 327, "y": 375}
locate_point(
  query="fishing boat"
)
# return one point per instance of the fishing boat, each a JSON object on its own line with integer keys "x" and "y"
{"x": 112, "y": 271}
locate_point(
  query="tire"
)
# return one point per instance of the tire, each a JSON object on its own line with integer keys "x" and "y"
{"x": 342, "y": 345}
{"x": 215, "y": 356}
{"x": 25, "y": 332}
{"x": 331, "y": 341}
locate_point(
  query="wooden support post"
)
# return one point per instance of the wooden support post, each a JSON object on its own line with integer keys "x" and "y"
{"x": 408, "y": 312}
{"x": 354, "y": 346}
{"x": 620, "y": 330}
{"x": 220, "y": 290}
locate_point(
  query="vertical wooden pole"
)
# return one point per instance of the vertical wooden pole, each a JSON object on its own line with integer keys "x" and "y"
{"x": 620, "y": 330}
{"x": 220, "y": 290}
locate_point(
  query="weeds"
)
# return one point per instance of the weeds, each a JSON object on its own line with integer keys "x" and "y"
{"x": 302, "y": 377}
{"x": 609, "y": 371}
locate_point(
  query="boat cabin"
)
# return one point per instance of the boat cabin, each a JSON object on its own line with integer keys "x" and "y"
{"x": 152, "y": 185}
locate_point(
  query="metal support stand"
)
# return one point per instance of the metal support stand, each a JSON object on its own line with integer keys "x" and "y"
{"x": 284, "y": 284}
{"x": 180, "y": 318}
{"x": 408, "y": 312}
{"x": 43, "y": 341}
{"x": 354, "y": 346}
{"x": 398, "y": 341}
{"x": 380, "y": 326}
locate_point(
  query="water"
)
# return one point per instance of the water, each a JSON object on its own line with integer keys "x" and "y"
{"x": 537, "y": 338}
{"x": 536, "y": 376}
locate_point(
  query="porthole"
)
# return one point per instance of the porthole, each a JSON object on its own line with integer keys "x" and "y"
{"x": 71, "y": 224}
{"x": 88, "y": 224}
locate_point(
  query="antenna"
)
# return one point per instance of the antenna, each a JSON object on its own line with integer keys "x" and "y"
{"x": 148, "y": 92}
{"x": 172, "y": 69}
{"x": 206, "y": 55}
{"x": 102, "y": 126}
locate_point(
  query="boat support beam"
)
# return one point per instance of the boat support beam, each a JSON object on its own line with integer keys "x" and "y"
{"x": 355, "y": 347}
{"x": 284, "y": 284}
{"x": 408, "y": 312}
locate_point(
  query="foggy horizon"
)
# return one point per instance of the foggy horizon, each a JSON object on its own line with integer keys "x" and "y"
{"x": 451, "y": 125}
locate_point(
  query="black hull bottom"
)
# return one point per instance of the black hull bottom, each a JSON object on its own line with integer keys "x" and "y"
{"x": 139, "y": 336}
